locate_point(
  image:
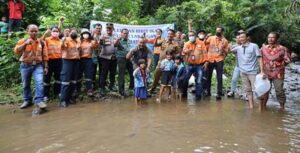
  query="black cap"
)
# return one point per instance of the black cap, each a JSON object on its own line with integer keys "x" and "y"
{"x": 109, "y": 25}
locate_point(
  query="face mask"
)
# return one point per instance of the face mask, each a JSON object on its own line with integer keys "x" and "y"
{"x": 74, "y": 35}
{"x": 85, "y": 36}
{"x": 55, "y": 34}
{"x": 192, "y": 39}
{"x": 219, "y": 34}
{"x": 201, "y": 36}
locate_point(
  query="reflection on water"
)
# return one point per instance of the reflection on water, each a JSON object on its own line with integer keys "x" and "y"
{"x": 170, "y": 127}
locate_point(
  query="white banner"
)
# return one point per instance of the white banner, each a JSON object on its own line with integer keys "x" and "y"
{"x": 135, "y": 31}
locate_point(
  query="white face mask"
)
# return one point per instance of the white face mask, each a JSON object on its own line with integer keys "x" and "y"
{"x": 85, "y": 36}
{"x": 192, "y": 39}
{"x": 201, "y": 36}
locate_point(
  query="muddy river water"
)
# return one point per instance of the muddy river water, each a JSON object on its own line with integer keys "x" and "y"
{"x": 170, "y": 127}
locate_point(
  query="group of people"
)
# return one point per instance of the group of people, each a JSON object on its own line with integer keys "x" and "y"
{"x": 73, "y": 57}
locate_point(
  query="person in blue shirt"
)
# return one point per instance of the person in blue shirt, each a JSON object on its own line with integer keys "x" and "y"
{"x": 179, "y": 74}
{"x": 3, "y": 25}
{"x": 167, "y": 67}
{"x": 141, "y": 76}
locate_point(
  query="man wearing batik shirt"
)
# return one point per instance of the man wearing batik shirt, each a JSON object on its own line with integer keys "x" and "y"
{"x": 168, "y": 44}
{"x": 274, "y": 57}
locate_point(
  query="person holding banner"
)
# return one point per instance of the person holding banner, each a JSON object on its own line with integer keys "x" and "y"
{"x": 124, "y": 64}
{"x": 108, "y": 60}
{"x": 168, "y": 44}
{"x": 157, "y": 42}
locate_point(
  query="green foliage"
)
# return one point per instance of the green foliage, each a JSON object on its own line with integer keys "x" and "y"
{"x": 122, "y": 11}
{"x": 259, "y": 17}
{"x": 9, "y": 65}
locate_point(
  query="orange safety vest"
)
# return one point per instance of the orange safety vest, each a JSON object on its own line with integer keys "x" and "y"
{"x": 33, "y": 53}
{"x": 54, "y": 47}
{"x": 86, "y": 49}
{"x": 198, "y": 55}
{"x": 157, "y": 42}
{"x": 217, "y": 48}
{"x": 71, "y": 49}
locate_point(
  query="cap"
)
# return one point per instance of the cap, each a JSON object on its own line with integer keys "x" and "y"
{"x": 109, "y": 25}
{"x": 85, "y": 31}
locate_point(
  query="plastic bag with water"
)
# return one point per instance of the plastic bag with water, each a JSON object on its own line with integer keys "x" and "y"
{"x": 262, "y": 86}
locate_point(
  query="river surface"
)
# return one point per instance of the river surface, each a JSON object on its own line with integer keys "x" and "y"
{"x": 119, "y": 126}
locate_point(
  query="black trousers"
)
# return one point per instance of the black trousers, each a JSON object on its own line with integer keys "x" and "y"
{"x": 55, "y": 66}
{"x": 107, "y": 66}
{"x": 123, "y": 65}
{"x": 219, "y": 66}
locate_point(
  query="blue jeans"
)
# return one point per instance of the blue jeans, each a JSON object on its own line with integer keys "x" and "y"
{"x": 27, "y": 71}
{"x": 196, "y": 69}
{"x": 235, "y": 78}
{"x": 87, "y": 67}
{"x": 69, "y": 77}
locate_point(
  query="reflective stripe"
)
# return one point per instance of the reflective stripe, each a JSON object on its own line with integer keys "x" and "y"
{"x": 71, "y": 53}
{"x": 73, "y": 82}
{"x": 54, "y": 47}
{"x": 57, "y": 82}
{"x": 46, "y": 84}
{"x": 54, "y": 52}
{"x": 65, "y": 83}
{"x": 88, "y": 80}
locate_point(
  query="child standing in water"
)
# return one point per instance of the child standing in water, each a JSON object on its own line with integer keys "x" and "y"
{"x": 167, "y": 67}
{"x": 179, "y": 74}
{"x": 141, "y": 77}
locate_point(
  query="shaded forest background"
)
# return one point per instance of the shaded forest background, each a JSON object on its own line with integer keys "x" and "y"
{"x": 257, "y": 16}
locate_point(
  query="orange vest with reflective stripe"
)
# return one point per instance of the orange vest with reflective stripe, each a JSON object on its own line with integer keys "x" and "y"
{"x": 198, "y": 55}
{"x": 32, "y": 53}
{"x": 86, "y": 49}
{"x": 217, "y": 48}
{"x": 54, "y": 47}
{"x": 71, "y": 49}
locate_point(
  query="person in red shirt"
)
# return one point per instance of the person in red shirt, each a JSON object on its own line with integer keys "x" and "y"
{"x": 274, "y": 58}
{"x": 16, "y": 9}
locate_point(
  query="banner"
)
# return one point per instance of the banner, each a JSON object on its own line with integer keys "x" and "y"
{"x": 135, "y": 31}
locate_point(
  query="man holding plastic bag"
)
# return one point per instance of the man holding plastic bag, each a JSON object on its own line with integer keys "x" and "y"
{"x": 274, "y": 57}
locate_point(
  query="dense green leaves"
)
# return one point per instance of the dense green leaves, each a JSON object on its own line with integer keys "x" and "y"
{"x": 259, "y": 17}
{"x": 9, "y": 65}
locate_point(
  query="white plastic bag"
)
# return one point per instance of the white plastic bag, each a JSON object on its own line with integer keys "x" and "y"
{"x": 262, "y": 86}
